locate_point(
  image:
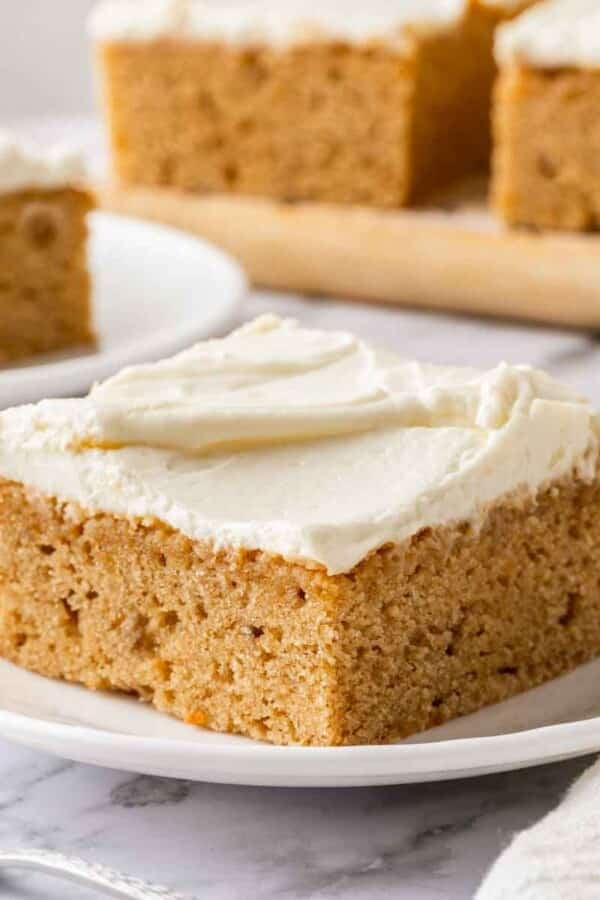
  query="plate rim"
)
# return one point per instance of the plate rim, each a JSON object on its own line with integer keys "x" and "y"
{"x": 253, "y": 762}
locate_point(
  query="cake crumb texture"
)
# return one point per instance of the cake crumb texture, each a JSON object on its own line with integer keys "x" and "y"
{"x": 451, "y": 620}
{"x": 547, "y": 126}
{"x": 44, "y": 279}
{"x": 362, "y": 123}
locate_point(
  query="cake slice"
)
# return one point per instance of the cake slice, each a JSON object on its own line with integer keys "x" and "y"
{"x": 294, "y": 536}
{"x": 374, "y": 104}
{"x": 547, "y": 117}
{"x": 44, "y": 280}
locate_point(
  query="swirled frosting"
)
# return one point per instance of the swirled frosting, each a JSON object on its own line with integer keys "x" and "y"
{"x": 309, "y": 444}
{"x": 270, "y": 382}
{"x": 23, "y": 166}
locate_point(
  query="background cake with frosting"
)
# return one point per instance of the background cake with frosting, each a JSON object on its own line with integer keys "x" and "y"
{"x": 44, "y": 280}
{"x": 375, "y": 104}
{"x": 295, "y": 536}
{"x": 547, "y": 117}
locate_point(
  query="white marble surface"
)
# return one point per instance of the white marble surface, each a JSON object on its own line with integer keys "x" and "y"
{"x": 234, "y": 843}
{"x": 430, "y": 842}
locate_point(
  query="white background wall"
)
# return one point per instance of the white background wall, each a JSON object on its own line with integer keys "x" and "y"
{"x": 44, "y": 58}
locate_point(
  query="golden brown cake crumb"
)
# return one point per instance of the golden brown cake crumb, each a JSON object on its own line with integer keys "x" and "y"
{"x": 547, "y": 125}
{"x": 44, "y": 280}
{"x": 451, "y": 620}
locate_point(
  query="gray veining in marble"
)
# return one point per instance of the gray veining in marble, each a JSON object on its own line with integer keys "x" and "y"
{"x": 232, "y": 843}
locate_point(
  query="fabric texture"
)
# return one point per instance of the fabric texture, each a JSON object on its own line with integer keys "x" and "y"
{"x": 557, "y": 859}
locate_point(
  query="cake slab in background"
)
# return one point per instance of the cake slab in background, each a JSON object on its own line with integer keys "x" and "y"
{"x": 45, "y": 286}
{"x": 391, "y": 109}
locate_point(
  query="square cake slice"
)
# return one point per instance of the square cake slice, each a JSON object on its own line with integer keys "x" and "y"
{"x": 547, "y": 117}
{"x": 374, "y": 104}
{"x": 292, "y": 535}
{"x": 44, "y": 279}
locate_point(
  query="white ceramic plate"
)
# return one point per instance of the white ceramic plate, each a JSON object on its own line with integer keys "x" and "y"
{"x": 156, "y": 290}
{"x": 557, "y": 721}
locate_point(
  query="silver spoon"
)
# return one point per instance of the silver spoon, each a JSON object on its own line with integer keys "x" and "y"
{"x": 90, "y": 875}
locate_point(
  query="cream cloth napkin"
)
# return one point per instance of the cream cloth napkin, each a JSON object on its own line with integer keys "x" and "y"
{"x": 557, "y": 859}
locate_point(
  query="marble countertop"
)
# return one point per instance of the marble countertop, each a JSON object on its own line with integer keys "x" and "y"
{"x": 418, "y": 842}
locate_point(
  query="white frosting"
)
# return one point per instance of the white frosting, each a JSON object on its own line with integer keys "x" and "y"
{"x": 272, "y": 21}
{"x": 23, "y": 166}
{"x": 268, "y": 382}
{"x": 416, "y": 445}
{"x": 422, "y": 445}
{"x": 553, "y": 34}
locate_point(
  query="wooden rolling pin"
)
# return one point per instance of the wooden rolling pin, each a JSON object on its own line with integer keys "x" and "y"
{"x": 458, "y": 260}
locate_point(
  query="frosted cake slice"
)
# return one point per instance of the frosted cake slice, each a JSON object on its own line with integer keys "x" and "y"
{"x": 547, "y": 117}
{"x": 375, "y": 104}
{"x": 292, "y": 535}
{"x": 44, "y": 279}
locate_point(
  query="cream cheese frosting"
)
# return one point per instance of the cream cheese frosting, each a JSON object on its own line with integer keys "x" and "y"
{"x": 266, "y": 383}
{"x": 555, "y": 33}
{"x": 273, "y": 21}
{"x": 22, "y": 166}
{"x": 232, "y": 442}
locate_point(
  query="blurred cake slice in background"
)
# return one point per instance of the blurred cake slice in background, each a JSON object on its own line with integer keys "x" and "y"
{"x": 374, "y": 104}
{"x": 44, "y": 280}
{"x": 547, "y": 117}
